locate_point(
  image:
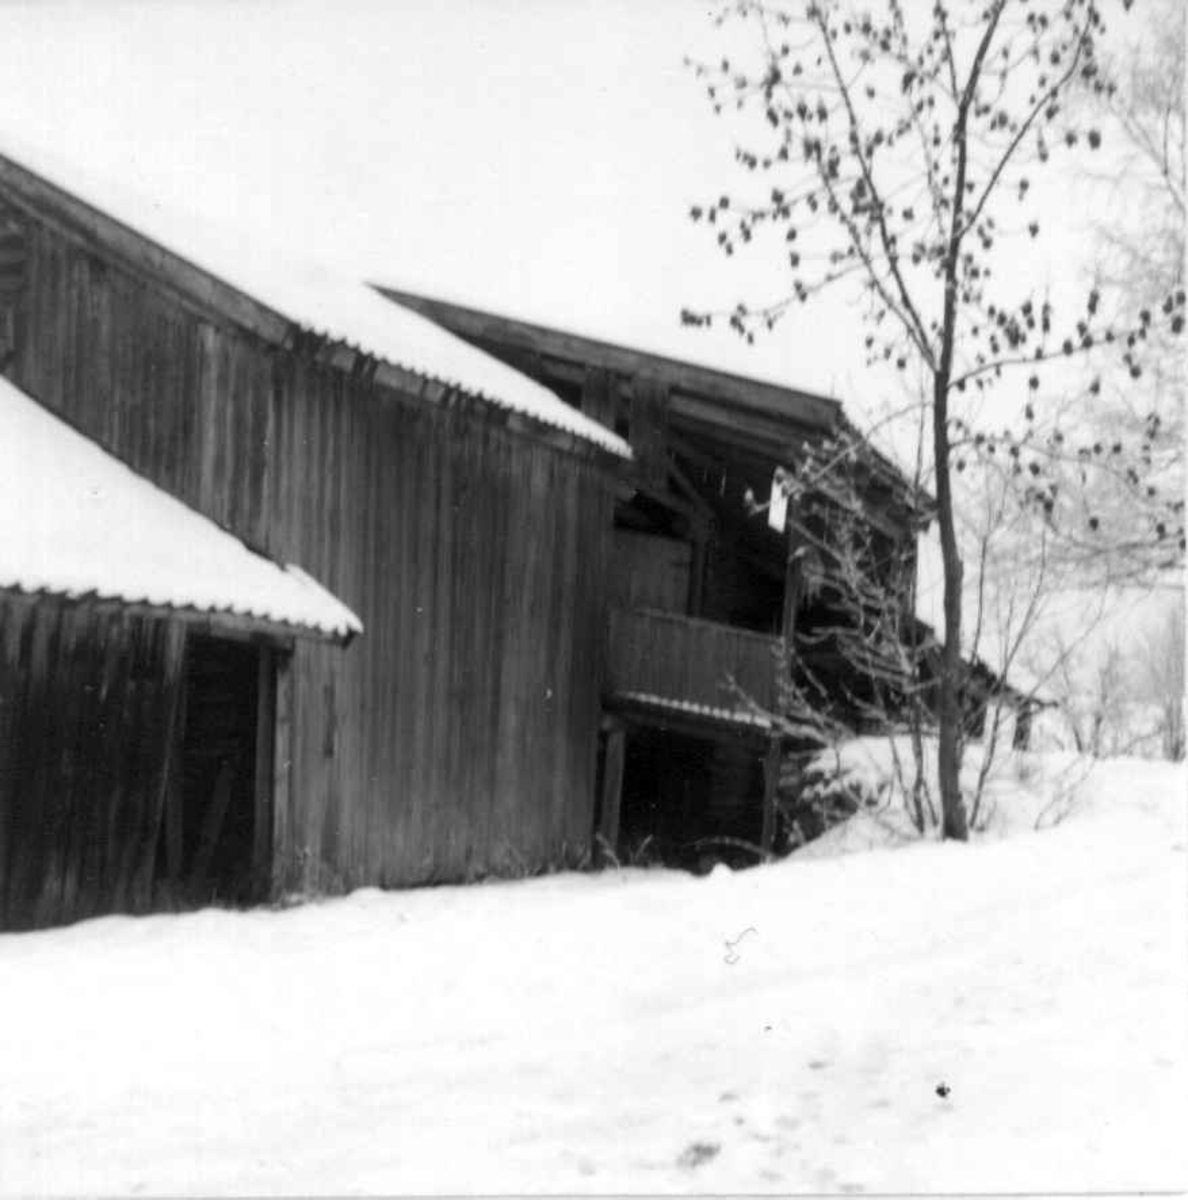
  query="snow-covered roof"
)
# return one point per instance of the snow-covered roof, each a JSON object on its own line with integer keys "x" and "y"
{"x": 76, "y": 522}
{"x": 317, "y": 297}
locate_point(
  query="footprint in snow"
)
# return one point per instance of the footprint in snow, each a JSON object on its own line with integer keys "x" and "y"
{"x": 697, "y": 1153}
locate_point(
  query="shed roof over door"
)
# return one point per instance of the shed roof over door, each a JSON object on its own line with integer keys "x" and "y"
{"x": 77, "y": 523}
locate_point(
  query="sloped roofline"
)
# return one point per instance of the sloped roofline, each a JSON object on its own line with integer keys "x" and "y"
{"x": 210, "y": 293}
{"x": 810, "y": 409}
{"x": 696, "y": 387}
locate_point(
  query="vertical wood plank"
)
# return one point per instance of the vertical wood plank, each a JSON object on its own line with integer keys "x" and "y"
{"x": 170, "y": 781}
{"x": 612, "y": 786}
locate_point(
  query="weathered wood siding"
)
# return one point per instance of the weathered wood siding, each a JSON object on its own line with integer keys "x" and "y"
{"x": 650, "y": 572}
{"x": 673, "y": 657}
{"x": 457, "y": 736}
{"x": 87, "y": 710}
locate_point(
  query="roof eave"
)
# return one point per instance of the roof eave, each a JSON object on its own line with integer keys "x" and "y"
{"x": 211, "y": 296}
{"x": 806, "y": 408}
{"x": 217, "y": 622}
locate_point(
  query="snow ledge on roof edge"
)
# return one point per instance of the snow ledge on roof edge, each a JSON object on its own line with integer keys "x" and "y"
{"x": 317, "y": 297}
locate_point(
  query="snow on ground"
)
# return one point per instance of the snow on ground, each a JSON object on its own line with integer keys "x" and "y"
{"x": 1006, "y": 1015}
{"x": 1018, "y": 792}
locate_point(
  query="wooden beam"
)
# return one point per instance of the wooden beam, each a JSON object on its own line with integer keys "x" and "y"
{"x": 764, "y": 432}
{"x": 702, "y": 726}
{"x": 741, "y": 450}
{"x": 788, "y": 404}
{"x": 670, "y": 500}
{"x": 686, "y": 485}
{"x": 612, "y": 786}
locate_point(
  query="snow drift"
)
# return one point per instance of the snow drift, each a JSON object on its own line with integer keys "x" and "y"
{"x": 998, "y": 1016}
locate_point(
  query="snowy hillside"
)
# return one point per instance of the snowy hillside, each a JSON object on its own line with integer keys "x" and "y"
{"x": 1008, "y": 1015}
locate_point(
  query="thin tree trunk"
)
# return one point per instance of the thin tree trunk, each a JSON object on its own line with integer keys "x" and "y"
{"x": 953, "y": 818}
{"x": 953, "y": 821}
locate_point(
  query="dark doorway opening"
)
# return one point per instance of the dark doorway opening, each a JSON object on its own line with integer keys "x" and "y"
{"x": 210, "y": 845}
{"x": 689, "y": 801}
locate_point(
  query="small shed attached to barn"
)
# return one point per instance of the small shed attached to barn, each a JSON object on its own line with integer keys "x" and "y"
{"x": 138, "y": 673}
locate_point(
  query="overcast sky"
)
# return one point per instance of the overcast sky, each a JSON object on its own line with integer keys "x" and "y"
{"x": 536, "y": 157}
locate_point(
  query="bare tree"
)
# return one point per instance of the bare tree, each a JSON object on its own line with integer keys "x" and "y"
{"x": 1159, "y": 677}
{"x": 879, "y": 654}
{"x": 1144, "y": 249}
{"x": 896, "y": 146}
{"x": 1016, "y": 579}
{"x": 1117, "y": 676}
{"x": 1139, "y": 263}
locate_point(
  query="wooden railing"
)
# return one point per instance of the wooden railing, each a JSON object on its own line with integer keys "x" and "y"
{"x": 678, "y": 658}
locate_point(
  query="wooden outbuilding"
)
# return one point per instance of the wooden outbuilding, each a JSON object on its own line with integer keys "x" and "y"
{"x": 462, "y": 511}
{"x": 138, "y": 685}
{"x": 567, "y": 608}
{"x": 708, "y": 611}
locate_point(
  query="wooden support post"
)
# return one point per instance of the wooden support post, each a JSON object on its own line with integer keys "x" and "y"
{"x": 283, "y": 834}
{"x": 612, "y": 786}
{"x": 169, "y": 790}
{"x": 265, "y": 772}
{"x": 771, "y": 793}
{"x": 697, "y": 574}
{"x": 793, "y": 590}
{"x": 771, "y": 780}
{"x": 793, "y": 579}
{"x": 174, "y": 799}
